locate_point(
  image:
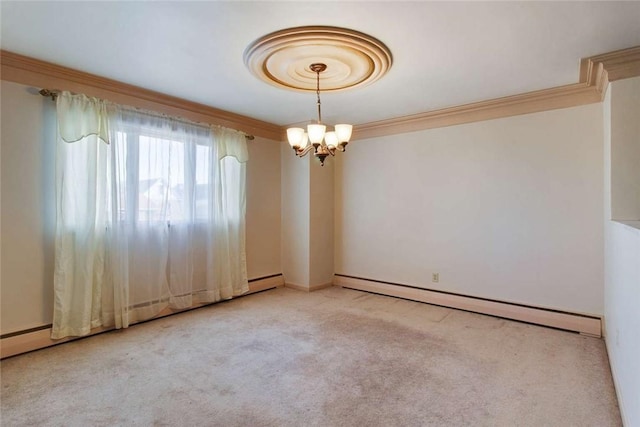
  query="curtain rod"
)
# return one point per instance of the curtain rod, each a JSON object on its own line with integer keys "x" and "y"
{"x": 53, "y": 94}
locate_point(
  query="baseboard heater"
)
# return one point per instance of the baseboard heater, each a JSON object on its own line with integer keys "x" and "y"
{"x": 576, "y": 322}
{"x": 36, "y": 338}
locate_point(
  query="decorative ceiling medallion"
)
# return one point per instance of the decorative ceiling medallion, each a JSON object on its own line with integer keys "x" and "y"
{"x": 283, "y": 58}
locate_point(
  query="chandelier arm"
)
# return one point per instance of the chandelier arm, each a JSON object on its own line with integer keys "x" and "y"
{"x": 301, "y": 152}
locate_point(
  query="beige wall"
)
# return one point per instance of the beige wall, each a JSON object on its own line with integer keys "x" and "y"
{"x": 28, "y": 208}
{"x": 27, "y": 219}
{"x": 307, "y": 220}
{"x": 321, "y": 223}
{"x": 508, "y": 209}
{"x": 622, "y": 249}
{"x": 295, "y": 217}
{"x": 625, "y": 150}
{"x": 263, "y": 208}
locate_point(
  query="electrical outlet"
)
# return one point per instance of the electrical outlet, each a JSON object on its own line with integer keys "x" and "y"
{"x": 435, "y": 277}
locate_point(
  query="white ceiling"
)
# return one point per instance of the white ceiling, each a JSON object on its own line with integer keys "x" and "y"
{"x": 444, "y": 53}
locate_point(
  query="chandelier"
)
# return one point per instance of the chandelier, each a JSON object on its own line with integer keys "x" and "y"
{"x": 293, "y": 59}
{"x": 316, "y": 137}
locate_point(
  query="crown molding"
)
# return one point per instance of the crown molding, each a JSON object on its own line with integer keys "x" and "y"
{"x": 609, "y": 67}
{"x": 595, "y": 74}
{"x": 33, "y": 72}
{"x": 531, "y": 102}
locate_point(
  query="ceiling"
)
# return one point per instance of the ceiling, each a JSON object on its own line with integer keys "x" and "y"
{"x": 444, "y": 53}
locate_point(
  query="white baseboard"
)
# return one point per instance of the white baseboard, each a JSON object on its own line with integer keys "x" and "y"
{"x": 616, "y": 386}
{"x": 259, "y": 285}
{"x": 308, "y": 288}
{"x": 588, "y": 325}
{"x": 35, "y": 340}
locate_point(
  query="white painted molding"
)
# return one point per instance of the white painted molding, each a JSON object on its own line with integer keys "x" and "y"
{"x": 614, "y": 376}
{"x": 308, "y": 288}
{"x": 542, "y": 100}
{"x": 36, "y": 340}
{"x": 283, "y": 58}
{"x": 262, "y": 284}
{"x": 33, "y": 72}
{"x": 588, "y": 325}
{"x": 595, "y": 74}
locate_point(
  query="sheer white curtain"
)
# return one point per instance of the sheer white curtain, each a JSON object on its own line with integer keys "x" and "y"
{"x": 81, "y": 160}
{"x": 169, "y": 225}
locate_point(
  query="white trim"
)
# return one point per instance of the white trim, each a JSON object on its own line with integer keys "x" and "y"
{"x": 595, "y": 74}
{"x": 36, "y": 340}
{"x": 258, "y": 285}
{"x": 587, "y": 325}
{"x": 614, "y": 376}
{"x": 308, "y": 288}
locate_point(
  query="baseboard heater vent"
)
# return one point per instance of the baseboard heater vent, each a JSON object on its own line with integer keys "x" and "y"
{"x": 15, "y": 343}
{"x": 576, "y": 322}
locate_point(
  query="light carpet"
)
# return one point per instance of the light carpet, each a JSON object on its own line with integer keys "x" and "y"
{"x": 334, "y": 357}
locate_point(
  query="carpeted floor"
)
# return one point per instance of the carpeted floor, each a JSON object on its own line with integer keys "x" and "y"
{"x": 334, "y": 357}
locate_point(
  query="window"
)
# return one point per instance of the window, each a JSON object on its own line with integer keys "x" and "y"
{"x": 153, "y": 219}
{"x": 163, "y": 179}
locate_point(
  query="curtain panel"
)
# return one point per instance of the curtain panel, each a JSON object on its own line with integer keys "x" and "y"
{"x": 150, "y": 214}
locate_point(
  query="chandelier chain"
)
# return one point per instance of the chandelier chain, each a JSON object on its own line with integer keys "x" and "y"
{"x": 318, "y": 94}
